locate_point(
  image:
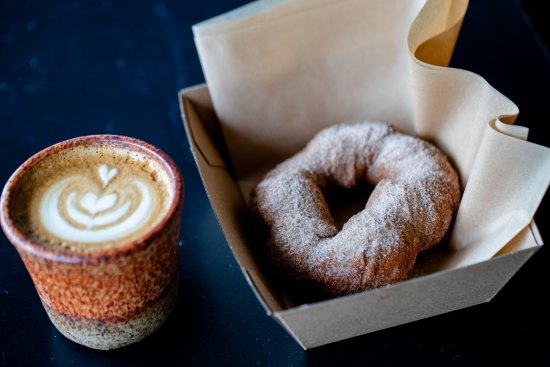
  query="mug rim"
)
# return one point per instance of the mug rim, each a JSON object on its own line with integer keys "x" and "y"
{"x": 21, "y": 241}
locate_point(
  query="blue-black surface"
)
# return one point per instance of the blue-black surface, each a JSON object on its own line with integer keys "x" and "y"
{"x": 71, "y": 68}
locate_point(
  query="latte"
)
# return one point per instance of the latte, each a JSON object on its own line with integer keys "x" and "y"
{"x": 92, "y": 197}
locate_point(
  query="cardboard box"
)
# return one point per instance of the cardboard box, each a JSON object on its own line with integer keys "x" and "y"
{"x": 319, "y": 323}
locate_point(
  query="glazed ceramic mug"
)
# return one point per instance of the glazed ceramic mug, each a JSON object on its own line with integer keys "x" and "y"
{"x": 96, "y": 220}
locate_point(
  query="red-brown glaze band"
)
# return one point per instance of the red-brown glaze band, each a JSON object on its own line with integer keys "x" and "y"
{"x": 111, "y": 290}
{"x": 410, "y": 210}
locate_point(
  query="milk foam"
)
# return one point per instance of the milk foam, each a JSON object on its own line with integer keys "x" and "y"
{"x": 75, "y": 209}
{"x": 95, "y": 217}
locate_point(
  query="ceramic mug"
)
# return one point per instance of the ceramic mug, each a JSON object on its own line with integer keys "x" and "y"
{"x": 112, "y": 297}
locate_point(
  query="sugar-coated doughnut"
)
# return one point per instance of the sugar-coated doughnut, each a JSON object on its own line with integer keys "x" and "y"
{"x": 416, "y": 194}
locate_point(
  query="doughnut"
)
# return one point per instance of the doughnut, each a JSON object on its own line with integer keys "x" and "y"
{"x": 416, "y": 194}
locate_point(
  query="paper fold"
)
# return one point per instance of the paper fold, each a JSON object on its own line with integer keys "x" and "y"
{"x": 279, "y": 71}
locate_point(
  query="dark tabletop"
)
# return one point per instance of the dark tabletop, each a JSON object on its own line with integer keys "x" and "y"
{"x": 71, "y": 68}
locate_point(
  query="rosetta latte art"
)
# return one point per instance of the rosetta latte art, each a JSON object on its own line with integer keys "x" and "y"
{"x": 77, "y": 209}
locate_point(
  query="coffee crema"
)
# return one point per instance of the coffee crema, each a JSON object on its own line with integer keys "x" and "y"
{"x": 92, "y": 197}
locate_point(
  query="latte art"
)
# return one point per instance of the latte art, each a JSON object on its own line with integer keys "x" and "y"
{"x": 93, "y": 197}
{"x": 75, "y": 210}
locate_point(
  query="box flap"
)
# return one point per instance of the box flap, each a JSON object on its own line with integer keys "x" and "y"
{"x": 202, "y": 122}
{"x": 229, "y": 207}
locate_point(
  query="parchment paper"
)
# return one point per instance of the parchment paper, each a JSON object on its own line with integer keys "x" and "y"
{"x": 279, "y": 71}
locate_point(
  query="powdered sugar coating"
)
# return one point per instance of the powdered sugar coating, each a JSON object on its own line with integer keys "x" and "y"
{"x": 416, "y": 195}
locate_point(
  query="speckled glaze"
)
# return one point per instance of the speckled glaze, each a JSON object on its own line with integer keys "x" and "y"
{"x": 108, "y": 298}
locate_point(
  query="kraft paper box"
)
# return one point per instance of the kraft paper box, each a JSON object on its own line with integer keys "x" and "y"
{"x": 277, "y": 74}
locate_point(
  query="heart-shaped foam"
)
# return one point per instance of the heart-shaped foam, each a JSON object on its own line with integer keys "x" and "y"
{"x": 94, "y": 205}
{"x": 106, "y": 174}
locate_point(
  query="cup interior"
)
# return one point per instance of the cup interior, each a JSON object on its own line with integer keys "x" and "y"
{"x": 15, "y": 203}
